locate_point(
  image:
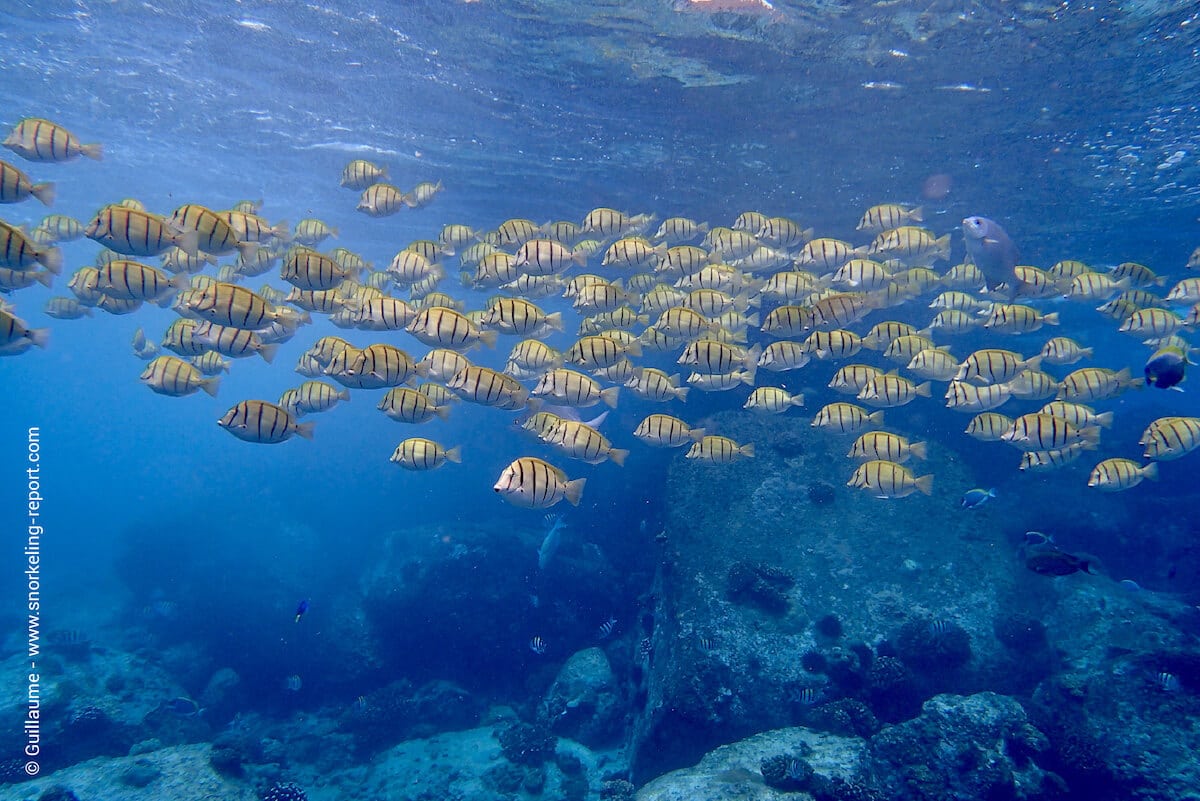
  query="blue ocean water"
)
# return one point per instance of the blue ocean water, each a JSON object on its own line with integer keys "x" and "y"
{"x": 1074, "y": 125}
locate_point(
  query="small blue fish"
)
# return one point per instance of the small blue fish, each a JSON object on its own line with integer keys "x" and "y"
{"x": 977, "y": 497}
{"x": 537, "y": 645}
{"x": 606, "y": 628}
{"x": 301, "y": 608}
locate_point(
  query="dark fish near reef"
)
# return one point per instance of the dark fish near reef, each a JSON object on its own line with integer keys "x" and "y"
{"x": 182, "y": 706}
{"x": 301, "y": 608}
{"x": 977, "y": 497}
{"x": 1042, "y": 555}
{"x": 1165, "y": 368}
{"x": 992, "y": 251}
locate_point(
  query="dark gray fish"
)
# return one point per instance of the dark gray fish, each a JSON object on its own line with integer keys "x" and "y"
{"x": 991, "y": 250}
{"x": 182, "y": 706}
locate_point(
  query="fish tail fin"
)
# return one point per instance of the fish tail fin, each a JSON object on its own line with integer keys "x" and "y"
{"x": 697, "y": 434}
{"x": 189, "y": 243}
{"x": 1091, "y": 434}
{"x": 454, "y": 454}
{"x": 1034, "y": 362}
{"x": 682, "y": 393}
{"x": 93, "y": 151}
{"x": 305, "y": 429}
{"x": 488, "y": 338}
{"x": 1087, "y": 353}
{"x": 1149, "y": 471}
{"x": 555, "y": 321}
{"x": 609, "y": 396}
{"x": 753, "y": 319}
{"x": 748, "y": 376}
{"x": 44, "y": 192}
{"x": 46, "y": 279}
{"x": 52, "y": 260}
{"x": 39, "y": 336}
{"x": 211, "y": 385}
{"x": 1104, "y": 419}
{"x": 922, "y": 390}
{"x": 344, "y": 396}
{"x": 925, "y": 484}
{"x": 747, "y": 450}
{"x": 943, "y": 246}
{"x": 919, "y": 450}
{"x": 618, "y": 455}
{"x": 634, "y": 349}
{"x": 797, "y": 400}
{"x": 876, "y": 417}
{"x": 442, "y": 412}
{"x": 1050, "y": 319}
{"x": 268, "y": 352}
{"x": 917, "y": 214}
{"x": 574, "y": 491}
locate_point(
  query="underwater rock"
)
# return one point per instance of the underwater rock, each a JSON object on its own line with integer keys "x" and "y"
{"x": 759, "y": 584}
{"x": 978, "y": 746}
{"x": 140, "y": 774}
{"x": 526, "y": 744}
{"x": 584, "y": 703}
{"x": 58, "y": 794}
{"x": 733, "y": 771}
{"x": 181, "y": 773}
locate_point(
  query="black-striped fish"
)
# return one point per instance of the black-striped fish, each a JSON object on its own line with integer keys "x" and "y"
{"x": 169, "y": 375}
{"x": 132, "y": 232}
{"x": 42, "y": 140}
{"x": 263, "y": 422}
{"x": 18, "y": 252}
{"x": 532, "y": 483}
{"x": 16, "y": 186}
{"x": 418, "y": 453}
{"x": 16, "y": 337}
{"x": 381, "y": 200}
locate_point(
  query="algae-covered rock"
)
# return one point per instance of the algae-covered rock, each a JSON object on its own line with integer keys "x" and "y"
{"x": 584, "y": 703}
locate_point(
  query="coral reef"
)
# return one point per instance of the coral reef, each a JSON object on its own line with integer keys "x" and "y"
{"x": 284, "y": 791}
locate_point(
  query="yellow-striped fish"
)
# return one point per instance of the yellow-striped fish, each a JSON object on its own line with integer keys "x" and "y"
{"x": 169, "y": 375}
{"x": 15, "y": 336}
{"x": 1045, "y": 432}
{"x": 132, "y": 232}
{"x": 1170, "y": 438}
{"x": 571, "y": 388}
{"x": 16, "y": 186}
{"x": 439, "y": 326}
{"x": 719, "y": 450}
{"x": 18, "y": 252}
{"x": 1114, "y": 475}
{"x": 381, "y": 200}
{"x": 1096, "y": 383}
{"x": 886, "y": 216}
{"x": 773, "y": 400}
{"x": 989, "y": 426}
{"x": 418, "y": 453}
{"x": 886, "y": 479}
{"x": 1064, "y": 350}
{"x": 41, "y": 140}
{"x": 263, "y": 422}
{"x": 411, "y": 406}
{"x": 580, "y": 441}
{"x": 360, "y": 173}
{"x": 665, "y": 431}
{"x": 531, "y": 483}
{"x": 885, "y": 446}
{"x": 845, "y": 417}
{"x": 487, "y": 387}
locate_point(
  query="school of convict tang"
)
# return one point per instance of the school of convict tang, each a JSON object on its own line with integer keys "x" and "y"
{"x": 738, "y": 307}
